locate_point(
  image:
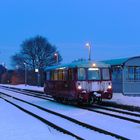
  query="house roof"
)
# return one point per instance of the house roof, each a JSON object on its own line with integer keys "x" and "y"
{"x": 120, "y": 61}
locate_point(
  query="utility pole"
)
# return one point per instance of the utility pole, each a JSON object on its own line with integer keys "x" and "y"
{"x": 25, "y": 73}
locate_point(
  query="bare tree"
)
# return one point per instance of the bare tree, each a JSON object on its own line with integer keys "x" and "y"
{"x": 36, "y": 52}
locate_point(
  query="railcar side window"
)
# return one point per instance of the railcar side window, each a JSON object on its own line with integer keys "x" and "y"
{"x": 94, "y": 74}
{"x": 55, "y": 75}
{"x": 105, "y": 74}
{"x": 81, "y": 74}
{"x": 48, "y": 75}
{"x": 52, "y": 75}
{"x": 70, "y": 74}
{"x": 62, "y": 75}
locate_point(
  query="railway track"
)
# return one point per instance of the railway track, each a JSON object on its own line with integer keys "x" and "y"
{"x": 137, "y": 114}
{"x": 39, "y": 117}
{"x": 81, "y": 124}
{"x": 43, "y": 120}
{"x": 113, "y": 112}
{"x": 120, "y": 106}
{"x": 116, "y": 115}
{"x": 104, "y": 104}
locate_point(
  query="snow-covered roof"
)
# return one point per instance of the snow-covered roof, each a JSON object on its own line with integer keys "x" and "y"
{"x": 120, "y": 61}
{"x": 79, "y": 64}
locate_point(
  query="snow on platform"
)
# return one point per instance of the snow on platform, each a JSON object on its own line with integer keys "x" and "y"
{"x": 119, "y": 98}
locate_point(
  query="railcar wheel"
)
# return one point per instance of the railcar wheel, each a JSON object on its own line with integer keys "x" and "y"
{"x": 91, "y": 100}
{"x": 99, "y": 100}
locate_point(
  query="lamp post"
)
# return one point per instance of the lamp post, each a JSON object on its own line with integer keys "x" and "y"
{"x": 38, "y": 76}
{"x": 89, "y": 51}
{"x": 25, "y": 73}
{"x": 17, "y": 67}
{"x": 56, "y": 57}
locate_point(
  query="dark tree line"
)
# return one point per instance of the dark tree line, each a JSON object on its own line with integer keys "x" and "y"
{"x": 35, "y": 53}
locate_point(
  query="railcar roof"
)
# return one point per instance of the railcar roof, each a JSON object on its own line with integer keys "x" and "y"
{"x": 85, "y": 64}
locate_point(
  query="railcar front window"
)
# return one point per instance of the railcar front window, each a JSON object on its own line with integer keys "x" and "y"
{"x": 81, "y": 74}
{"x": 105, "y": 74}
{"x": 94, "y": 74}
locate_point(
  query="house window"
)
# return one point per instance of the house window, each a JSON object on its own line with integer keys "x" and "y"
{"x": 137, "y": 73}
{"x": 116, "y": 73}
{"x": 133, "y": 73}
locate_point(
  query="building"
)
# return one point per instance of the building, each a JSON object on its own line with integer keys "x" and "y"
{"x": 2, "y": 70}
{"x": 126, "y": 75}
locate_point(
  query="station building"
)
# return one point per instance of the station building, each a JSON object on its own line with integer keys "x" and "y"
{"x": 125, "y": 75}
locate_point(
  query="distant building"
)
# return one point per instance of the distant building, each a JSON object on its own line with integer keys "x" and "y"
{"x": 2, "y": 70}
{"x": 126, "y": 75}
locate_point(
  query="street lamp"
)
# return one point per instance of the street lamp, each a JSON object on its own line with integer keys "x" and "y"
{"x": 25, "y": 73}
{"x": 89, "y": 51}
{"x": 38, "y": 76}
{"x": 56, "y": 57}
{"x": 17, "y": 67}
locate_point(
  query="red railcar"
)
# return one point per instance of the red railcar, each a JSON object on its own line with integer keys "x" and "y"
{"x": 79, "y": 81}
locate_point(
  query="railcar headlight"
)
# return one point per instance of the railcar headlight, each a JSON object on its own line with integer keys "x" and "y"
{"x": 109, "y": 87}
{"x": 79, "y": 87}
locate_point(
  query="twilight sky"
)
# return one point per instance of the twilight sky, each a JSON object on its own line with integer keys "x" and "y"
{"x": 111, "y": 26}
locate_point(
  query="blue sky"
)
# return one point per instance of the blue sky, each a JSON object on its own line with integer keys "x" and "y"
{"x": 111, "y": 26}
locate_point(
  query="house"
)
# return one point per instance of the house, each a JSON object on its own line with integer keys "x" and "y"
{"x": 2, "y": 70}
{"x": 125, "y": 75}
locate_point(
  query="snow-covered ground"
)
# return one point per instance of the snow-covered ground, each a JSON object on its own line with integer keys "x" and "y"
{"x": 108, "y": 123}
{"x": 118, "y": 98}
{"x": 17, "y": 125}
{"x": 22, "y": 126}
{"x": 70, "y": 126}
{"x": 22, "y": 86}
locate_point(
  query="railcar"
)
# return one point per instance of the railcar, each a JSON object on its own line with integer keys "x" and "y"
{"x": 80, "y": 81}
